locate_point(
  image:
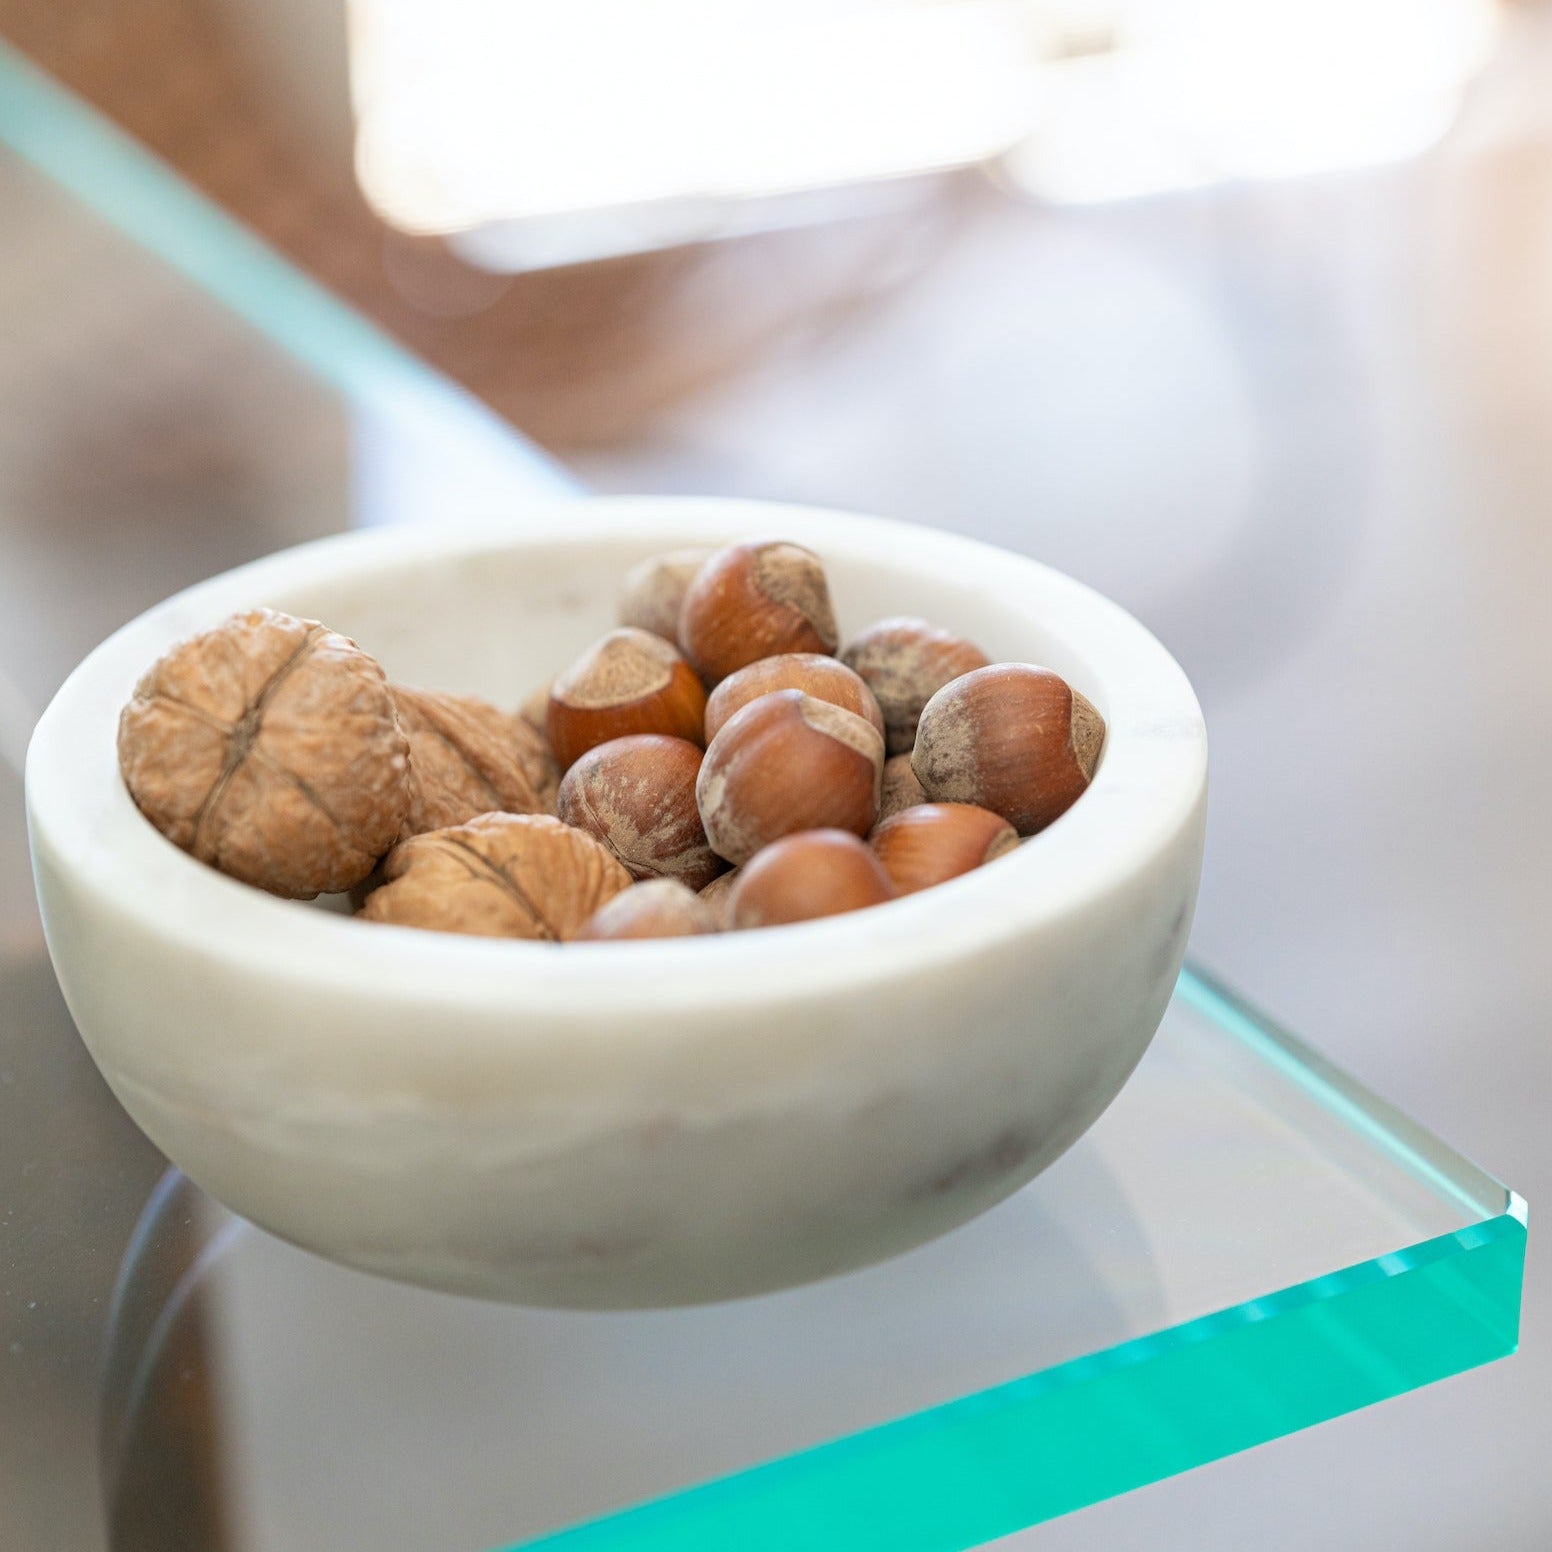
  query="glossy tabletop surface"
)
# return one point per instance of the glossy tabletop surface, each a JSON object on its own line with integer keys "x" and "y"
{"x": 173, "y": 400}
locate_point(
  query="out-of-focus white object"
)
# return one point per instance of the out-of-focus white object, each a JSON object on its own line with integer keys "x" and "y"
{"x": 474, "y": 112}
{"x": 1154, "y": 95}
{"x": 538, "y": 132}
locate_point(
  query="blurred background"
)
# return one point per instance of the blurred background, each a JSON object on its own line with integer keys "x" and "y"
{"x": 1240, "y": 312}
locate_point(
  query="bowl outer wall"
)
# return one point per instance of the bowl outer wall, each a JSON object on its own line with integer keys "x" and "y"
{"x": 642, "y": 1123}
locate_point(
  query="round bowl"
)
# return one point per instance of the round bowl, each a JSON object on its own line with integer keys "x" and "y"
{"x": 612, "y": 1125}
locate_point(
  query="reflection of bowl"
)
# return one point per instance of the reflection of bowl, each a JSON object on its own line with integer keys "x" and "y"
{"x": 638, "y": 1123}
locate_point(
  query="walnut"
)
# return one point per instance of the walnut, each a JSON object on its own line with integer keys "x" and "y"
{"x": 468, "y": 758}
{"x": 268, "y": 748}
{"x": 499, "y": 876}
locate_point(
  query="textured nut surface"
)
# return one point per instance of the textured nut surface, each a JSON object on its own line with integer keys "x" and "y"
{"x": 1014, "y": 738}
{"x": 467, "y": 757}
{"x": 269, "y": 748}
{"x": 629, "y": 681}
{"x": 659, "y": 908}
{"x": 717, "y": 896}
{"x": 905, "y": 661}
{"x": 811, "y": 672}
{"x": 756, "y": 600}
{"x": 808, "y": 875}
{"x": 934, "y": 842}
{"x": 637, "y": 796}
{"x": 498, "y": 876}
{"x": 900, "y": 789}
{"x": 655, "y": 588}
{"x": 785, "y": 763}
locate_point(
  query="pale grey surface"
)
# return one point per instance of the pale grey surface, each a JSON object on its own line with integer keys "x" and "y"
{"x": 1304, "y": 430}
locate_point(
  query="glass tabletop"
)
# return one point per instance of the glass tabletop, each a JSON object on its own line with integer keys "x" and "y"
{"x": 1247, "y": 1243}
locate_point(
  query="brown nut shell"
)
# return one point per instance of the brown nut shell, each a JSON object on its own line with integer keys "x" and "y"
{"x": 756, "y": 600}
{"x": 801, "y": 877}
{"x": 269, "y": 748}
{"x": 467, "y": 758}
{"x": 717, "y": 896}
{"x": 824, "y": 678}
{"x": 498, "y": 876}
{"x": 655, "y": 588}
{"x": 785, "y": 763}
{"x": 637, "y": 796}
{"x": 659, "y": 908}
{"x": 900, "y": 789}
{"x": 934, "y": 842}
{"x": 1014, "y": 738}
{"x": 630, "y": 681}
{"x": 905, "y": 661}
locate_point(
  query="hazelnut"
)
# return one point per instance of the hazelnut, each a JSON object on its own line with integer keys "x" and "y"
{"x": 814, "y": 873}
{"x": 468, "y": 758}
{"x": 655, "y": 589}
{"x": 1013, "y": 738}
{"x": 629, "y": 682}
{"x": 755, "y": 600}
{"x": 822, "y": 677}
{"x": 933, "y": 842}
{"x": 659, "y": 908}
{"x": 904, "y": 662}
{"x": 637, "y": 796}
{"x": 498, "y": 876}
{"x": 784, "y": 763}
{"x": 717, "y": 897}
{"x": 900, "y": 789}
{"x": 269, "y": 748}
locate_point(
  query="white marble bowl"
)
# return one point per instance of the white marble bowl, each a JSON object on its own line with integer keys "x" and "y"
{"x": 613, "y": 1125}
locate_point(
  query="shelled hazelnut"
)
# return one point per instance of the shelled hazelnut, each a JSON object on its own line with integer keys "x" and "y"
{"x": 637, "y": 796}
{"x": 630, "y": 681}
{"x": 900, "y": 789}
{"x": 467, "y": 758}
{"x": 1013, "y": 738}
{"x": 822, "y": 677}
{"x": 934, "y": 842}
{"x": 269, "y": 748}
{"x": 811, "y": 874}
{"x": 658, "y": 908}
{"x": 784, "y": 763}
{"x": 905, "y": 661}
{"x": 756, "y": 600}
{"x": 498, "y": 876}
{"x": 655, "y": 588}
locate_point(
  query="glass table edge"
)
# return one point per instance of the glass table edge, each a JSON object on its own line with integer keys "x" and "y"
{"x": 113, "y": 175}
{"x": 1000, "y": 1460}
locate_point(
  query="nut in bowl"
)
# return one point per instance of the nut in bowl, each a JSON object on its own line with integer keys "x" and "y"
{"x": 628, "y": 1121}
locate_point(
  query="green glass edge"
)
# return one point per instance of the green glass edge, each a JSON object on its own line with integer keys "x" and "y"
{"x": 1001, "y": 1460}
{"x": 114, "y": 176}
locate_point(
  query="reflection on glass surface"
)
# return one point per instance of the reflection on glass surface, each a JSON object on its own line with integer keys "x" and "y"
{"x": 341, "y": 1409}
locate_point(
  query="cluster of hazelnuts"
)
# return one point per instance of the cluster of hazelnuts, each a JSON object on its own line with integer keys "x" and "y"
{"x": 710, "y": 765}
